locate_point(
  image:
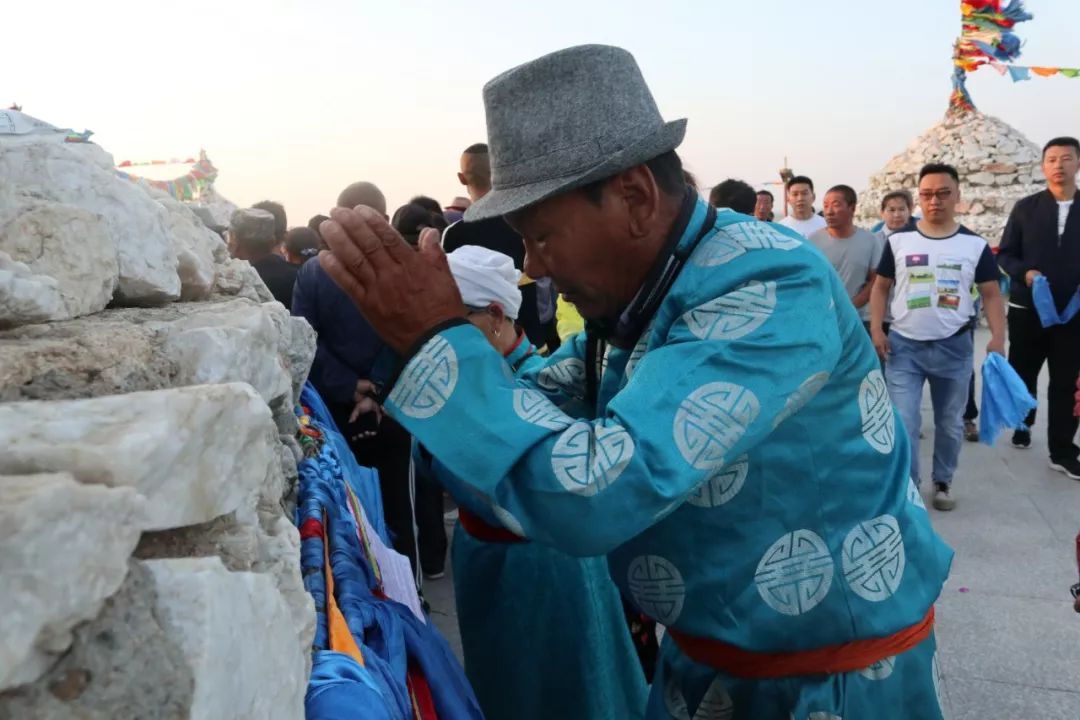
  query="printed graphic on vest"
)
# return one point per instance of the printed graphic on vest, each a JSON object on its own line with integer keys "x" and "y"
{"x": 917, "y": 260}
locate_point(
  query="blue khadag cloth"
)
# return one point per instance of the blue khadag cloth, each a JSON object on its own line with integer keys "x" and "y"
{"x": 1005, "y": 399}
{"x": 1047, "y": 309}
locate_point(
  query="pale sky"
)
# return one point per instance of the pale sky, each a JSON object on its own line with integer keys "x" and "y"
{"x": 294, "y": 100}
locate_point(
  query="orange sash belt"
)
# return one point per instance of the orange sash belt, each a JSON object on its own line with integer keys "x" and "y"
{"x": 831, "y": 659}
{"x": 480, "y": 530}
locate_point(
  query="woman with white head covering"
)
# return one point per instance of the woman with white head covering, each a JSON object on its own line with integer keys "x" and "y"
{"x": 543, "y": 633}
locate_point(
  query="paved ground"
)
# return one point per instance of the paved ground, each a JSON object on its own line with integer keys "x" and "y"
{"x": 1009, "y": 639}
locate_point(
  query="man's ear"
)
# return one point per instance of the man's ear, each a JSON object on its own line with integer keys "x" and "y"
{"x": 461, "y": 179}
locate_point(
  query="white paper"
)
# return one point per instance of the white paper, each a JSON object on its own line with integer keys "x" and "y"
{"x": 397, "y": 576}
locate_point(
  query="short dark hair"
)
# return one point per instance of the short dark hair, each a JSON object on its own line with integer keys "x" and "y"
{"x": 734, "y": 194}
{"x": 476, "y": 149}
{"x": 766, "y": 193}
{"x": 427, "y": 202}
{"x": 281, "y": 224}
{"x": 898, "y": 195}
{"x": 939, "y": 169}
{"x": 799, "y": 180}
{"x": 411, "y": 218}
{"x": 1064, "y": 141}
{"x": 850, "y": 197}
{"x": 666, "y": 169}
{"x": 301, "y": 241}
{"x": 316, "y": 221}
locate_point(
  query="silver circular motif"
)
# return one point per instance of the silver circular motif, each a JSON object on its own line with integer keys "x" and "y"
{"x": 795, "y": 573}
{"x": 657, "y": 588}
{"x": 586, "y": 458}
{"x": 875, "y": 407}
{"x": 711, "y": 420}
{"x": 428, "y": 381}
{"x": 734, "y": 315}
{"x": 873, "y": 558}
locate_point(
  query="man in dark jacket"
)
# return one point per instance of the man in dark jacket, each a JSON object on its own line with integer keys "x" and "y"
{"x": 1042, "y": 237}
{"x": 351, "y": 365}
{"x": 252, "y": 237}
{"x": 495, "y": 234}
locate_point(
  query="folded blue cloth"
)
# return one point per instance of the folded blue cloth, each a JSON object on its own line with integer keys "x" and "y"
{"x": 1044, "y": 304}
{"x": 1005, "y": 399}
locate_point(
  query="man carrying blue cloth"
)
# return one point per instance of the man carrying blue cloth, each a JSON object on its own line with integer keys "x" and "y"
{"x": 721, "y": 431}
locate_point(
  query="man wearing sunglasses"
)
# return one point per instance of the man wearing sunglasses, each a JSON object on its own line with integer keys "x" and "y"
{"x": 933, "y": 267}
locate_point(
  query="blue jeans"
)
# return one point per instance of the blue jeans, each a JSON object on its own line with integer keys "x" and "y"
{"x": 946, "y": 364}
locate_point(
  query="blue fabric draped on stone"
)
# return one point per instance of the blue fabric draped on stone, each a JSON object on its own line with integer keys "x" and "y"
{"x": 363, "y": 481}
{"x": 1047, "y": 309}
{"x": 389, "y": 636}
{"x": 339, "y": 687}
{"x": 1005, "y": 399}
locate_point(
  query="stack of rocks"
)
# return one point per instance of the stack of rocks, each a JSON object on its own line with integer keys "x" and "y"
{"x": 147, "y": 456}
{"x": 997, "y": 167}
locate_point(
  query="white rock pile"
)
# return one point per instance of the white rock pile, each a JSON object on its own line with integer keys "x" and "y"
{"x": 148, "y": 566}
{"x": 997, "y": 167}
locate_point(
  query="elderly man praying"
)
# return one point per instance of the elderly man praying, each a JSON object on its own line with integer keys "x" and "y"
{"x": 721, "y": 431}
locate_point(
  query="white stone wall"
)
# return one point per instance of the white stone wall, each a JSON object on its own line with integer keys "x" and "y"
{"x": 147, "y": 457}
{"x": 997, "y": 167}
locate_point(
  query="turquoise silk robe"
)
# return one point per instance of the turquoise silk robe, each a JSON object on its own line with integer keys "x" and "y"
{"x": 743, "y": 470}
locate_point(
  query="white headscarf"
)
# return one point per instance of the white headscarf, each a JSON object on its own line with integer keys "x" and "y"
{"x": 484, "y": 277}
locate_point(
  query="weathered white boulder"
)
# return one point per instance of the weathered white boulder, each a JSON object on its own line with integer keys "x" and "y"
{"x": 64, "y": 548}
{"x": 194, "y": 244}
{"x": 996, "y": 163}
{"x": 235, "y": 631}
{"x": 57, "y": 172}
{"x": 238, "y": 278}
{"x": 296, "y": 343}
{"x": 68, "y": 244}
{"x": 235, "y": 341}
{"x": 26, "y": 296}
{"x": 195, "y": 453}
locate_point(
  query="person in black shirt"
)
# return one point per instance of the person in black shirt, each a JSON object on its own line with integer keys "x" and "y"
{"x": 252, "y": 237}
{"x": 1042, "y": 238}
{"x": 495, "y": 234}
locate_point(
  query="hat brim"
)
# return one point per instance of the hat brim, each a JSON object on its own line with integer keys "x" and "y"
{"x": 502, "y": 201}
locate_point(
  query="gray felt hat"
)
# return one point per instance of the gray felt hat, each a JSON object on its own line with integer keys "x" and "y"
{"x": 565, "y": 120}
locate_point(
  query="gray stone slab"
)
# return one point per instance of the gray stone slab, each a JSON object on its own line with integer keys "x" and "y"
{"x": 1026, "y": 572}
{"x": 981, "y": 700}
{"x": 1059, "y": 504}
{"x": 1009, "y": 640}
{"x": 985, "y": 519}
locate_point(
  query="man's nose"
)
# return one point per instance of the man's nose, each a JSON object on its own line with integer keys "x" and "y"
{"x": 534, "y": 266}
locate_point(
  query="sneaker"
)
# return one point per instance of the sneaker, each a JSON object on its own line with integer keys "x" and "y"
{"x": 971, "y": 431}
{"x": 942, "y": 501}
{"x": 1021, "y": 439}
{"x": 1071, "y": 468}
{"x": 450, "y": 517}
{"x": 435, "y": 575}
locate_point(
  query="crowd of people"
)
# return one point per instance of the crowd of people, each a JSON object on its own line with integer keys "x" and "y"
{"x": 639, "y": 399}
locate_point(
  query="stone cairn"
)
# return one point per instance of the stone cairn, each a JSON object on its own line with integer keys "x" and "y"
{"x": 997, "y": 167}
{"x": 148, "y": 564}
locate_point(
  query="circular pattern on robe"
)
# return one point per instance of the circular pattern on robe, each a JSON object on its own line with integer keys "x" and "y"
{"x": 674, "y": 701}
{"x": 428, "y": 380}
{"x": 711, "y": 420}
{"x": 873, "y": 558}
{"x": 507, "y": 520}
{"x": 640, "y": 348}
{"x": 803, "y": 394}
{"x": 566, "y": 377}
{"x": 657, "y": 588}
{"x": 532, "y": 407}
{"x": 795, "y": 574}
{"x": 823, "y": 716}
{"x": 586, "y": 458}
{"x": 735, "y": 240}
{"x": 914, "y": 496}
{"x": 734, "y": 315}
{"x": 880, "y": 670}
{"x": 716, "y": 704}
{"x": 722, "y": 486}
{"x": 875, "y": 407}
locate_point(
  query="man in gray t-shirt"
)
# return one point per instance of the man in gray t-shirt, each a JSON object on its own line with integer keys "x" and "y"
{"x": 853, "y": 252}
